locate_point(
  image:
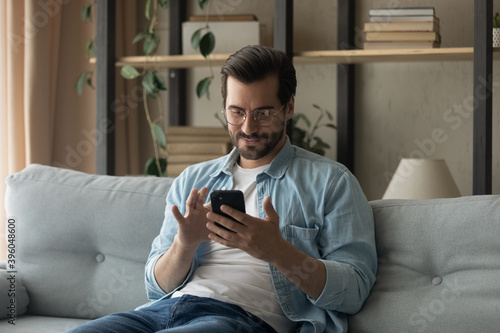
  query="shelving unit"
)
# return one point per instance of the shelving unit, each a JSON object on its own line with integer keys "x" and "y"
{"x": 482, "y": 54}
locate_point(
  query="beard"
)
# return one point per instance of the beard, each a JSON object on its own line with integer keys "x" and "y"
{"x": 270, "y": 141}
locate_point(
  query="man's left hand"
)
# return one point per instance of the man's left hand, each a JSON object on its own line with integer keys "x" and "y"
{"x": 259, "y": 238}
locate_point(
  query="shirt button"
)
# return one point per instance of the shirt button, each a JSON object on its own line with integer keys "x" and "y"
{"x": 224, "y": 188}
{"x": 437, "y": 280}
{"x": 99, "y": 258}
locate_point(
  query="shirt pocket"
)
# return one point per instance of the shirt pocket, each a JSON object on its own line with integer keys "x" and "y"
{"x": 303, "y": 239}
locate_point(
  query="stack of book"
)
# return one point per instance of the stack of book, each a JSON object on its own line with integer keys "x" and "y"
{"x": 189, "y": 145}
{"x": 402, "y": 28}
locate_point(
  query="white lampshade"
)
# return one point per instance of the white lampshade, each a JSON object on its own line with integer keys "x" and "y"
{"x": 420, "y": 178}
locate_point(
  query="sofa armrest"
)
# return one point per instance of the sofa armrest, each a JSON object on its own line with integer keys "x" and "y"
{"x": 14, "y": 298}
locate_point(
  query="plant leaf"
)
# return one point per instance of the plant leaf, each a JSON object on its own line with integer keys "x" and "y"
{"x": 159, "y": 135}
{"x": 317, "y": 107}
{"x": 89, "y": 13}
{"x": 207, "y": 44}
{"x": 203, "y": 3}
{"x": 153, "y": 83}
{"x": 83, "y": 12}
{"x": 147, "y": 9}
{"x": 163, "y": 3}
{"x": 148, "y": 83}
{"x": 139, "y": 37}
{"x": 89, "y": 49}
{"x": 150, "y": 168}
{"x": 80, "y": 83}
{"x": 319, "y": 147}
{"x": 320, "y": 144}
{"x": 86, "y": 12}
{"x": 329, "y": 115}
{"x": 129, "y": 72}
{"x": 302, "y": 116}
{"x": 159, "y": 82}
{"x": 202, "y": 87}
{"x": 150, "y": 44}
{"x": 496, "y": 20}
{"x": 195, "y": 39}
{"x": 298, "y": 137}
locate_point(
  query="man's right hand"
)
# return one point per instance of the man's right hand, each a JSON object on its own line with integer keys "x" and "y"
{"x": 192, "y": 225}
{"x": 173, "y": 266}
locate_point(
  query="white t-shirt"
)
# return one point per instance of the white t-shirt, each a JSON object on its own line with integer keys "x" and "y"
{"x": 232, "y": 275}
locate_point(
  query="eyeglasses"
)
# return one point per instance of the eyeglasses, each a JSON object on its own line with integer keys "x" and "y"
{"x": 263, "y": 117}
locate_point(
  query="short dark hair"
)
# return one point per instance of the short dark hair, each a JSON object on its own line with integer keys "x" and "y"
{"x": 255, "y": 62}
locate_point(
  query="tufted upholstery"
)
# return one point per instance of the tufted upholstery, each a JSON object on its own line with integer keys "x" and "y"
{"x": 439, "y": 267}
{"x": 83, "y": 240}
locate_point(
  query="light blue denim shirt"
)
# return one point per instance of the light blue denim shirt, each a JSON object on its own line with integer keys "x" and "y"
{"x": 323, "y": 212}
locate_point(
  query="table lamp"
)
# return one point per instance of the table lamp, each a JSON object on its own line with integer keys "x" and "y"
{"x": 420, "y": 178}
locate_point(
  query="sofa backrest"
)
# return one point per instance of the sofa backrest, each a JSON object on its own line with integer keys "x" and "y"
{"x": 83, "y": 240}
{"x": 438, "y": 267}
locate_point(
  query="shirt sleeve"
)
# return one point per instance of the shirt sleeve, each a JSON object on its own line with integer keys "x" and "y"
{"x": 348, "y": 246}
{"x": 152, "y": 288}
{"x": 164, "y": 240}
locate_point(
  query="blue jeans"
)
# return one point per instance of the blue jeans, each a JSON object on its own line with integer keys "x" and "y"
{"x": 185, "y": 314}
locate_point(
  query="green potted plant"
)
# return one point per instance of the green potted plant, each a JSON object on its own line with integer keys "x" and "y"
{"x": 496, "y": 30}
{"x": 307, "y": 138}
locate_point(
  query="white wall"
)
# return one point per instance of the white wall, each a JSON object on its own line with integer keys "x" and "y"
{"x": 398, "y": 105}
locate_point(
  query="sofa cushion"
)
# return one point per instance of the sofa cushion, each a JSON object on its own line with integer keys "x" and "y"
{"x": 83, "y": 240}
{"x": 42, "y": 324}
{"x": 439, "y": 267}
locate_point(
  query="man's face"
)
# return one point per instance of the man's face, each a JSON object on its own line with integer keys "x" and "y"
{"x": 257, "y": 144}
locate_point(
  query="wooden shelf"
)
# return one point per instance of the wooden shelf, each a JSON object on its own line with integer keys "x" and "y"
{"x": 317, "y": 57}
{"x": 172, "y": 61}
{"x": 396, "y": 55}
{"x": 175, "y": 61}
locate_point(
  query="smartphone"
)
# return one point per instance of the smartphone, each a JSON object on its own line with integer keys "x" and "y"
{"x": 232, "y": 198}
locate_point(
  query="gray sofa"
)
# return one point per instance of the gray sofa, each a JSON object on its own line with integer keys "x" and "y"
{"x": 81, "y": 241}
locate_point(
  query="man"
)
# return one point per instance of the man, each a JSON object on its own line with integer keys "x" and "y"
{"x": 300, "y": 259}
